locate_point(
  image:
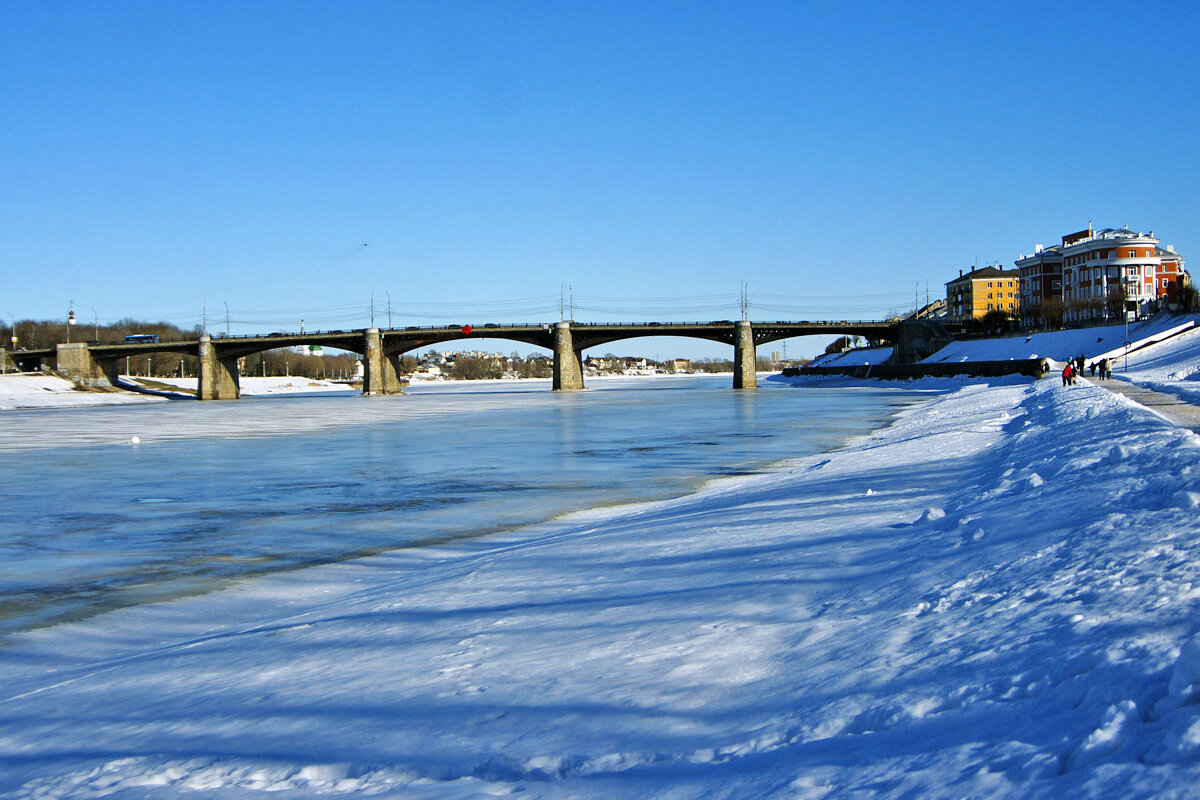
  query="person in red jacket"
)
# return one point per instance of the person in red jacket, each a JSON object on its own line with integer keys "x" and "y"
{"x": 1068, "y": 375}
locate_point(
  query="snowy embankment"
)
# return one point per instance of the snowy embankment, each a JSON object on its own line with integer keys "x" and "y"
{"x": 251, "y": 386}
{"x": 42, "y": 390}
{"x": 997, "y": 596}
{"x": 1106, "y": 341}
{"x": 853, "y": 358}
{"x": 1172, "y": 366}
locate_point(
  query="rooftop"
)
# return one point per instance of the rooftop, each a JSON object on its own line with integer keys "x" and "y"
{"x": 986, "y": 272}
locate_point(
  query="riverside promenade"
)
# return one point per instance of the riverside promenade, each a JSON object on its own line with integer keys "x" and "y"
{"x": 1179, "y": 412}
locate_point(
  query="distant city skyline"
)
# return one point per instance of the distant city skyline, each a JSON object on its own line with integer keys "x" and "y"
{"x": 473, "y": 162}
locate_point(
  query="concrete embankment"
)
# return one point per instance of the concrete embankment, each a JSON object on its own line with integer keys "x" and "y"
{"x": 1033, "y": 367}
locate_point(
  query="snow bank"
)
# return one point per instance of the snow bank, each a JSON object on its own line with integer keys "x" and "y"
{"x": 853, "y": 358}
{"x": 1172, "y": 366}
{"x": 1093, "y": 343}
{"x": 42, "y": 390}
{"x": 997, "y": 596}
{"x": 251, "y": 386}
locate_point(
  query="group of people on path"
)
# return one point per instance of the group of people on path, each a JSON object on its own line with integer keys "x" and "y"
{"x": 1076, "y": 365}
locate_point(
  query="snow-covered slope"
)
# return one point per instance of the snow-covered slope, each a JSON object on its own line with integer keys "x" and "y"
{"x": 853, "y": 358}
{"x": 998, "y": 596}
{"x": 250, "y": 385}
{"x": 44, "y": 390}
{"x": 1171, "y": 366}
{"x": 41, "y": 390}
{"x": 1062, "y": 345}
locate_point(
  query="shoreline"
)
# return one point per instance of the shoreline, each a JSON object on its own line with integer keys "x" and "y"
{"x": 44, "y": 391}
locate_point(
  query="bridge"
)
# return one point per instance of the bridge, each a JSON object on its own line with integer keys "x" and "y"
{"x": 95, "y": 364}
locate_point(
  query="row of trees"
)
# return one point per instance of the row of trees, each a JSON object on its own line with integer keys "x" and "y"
{"x": 476, "y": 368}
{"x": 712, "y": 365}
{"x": 1053, "y": 314}
{"x": 38, "y": 334}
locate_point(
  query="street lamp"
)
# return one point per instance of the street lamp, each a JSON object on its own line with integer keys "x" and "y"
{"x": 1129, "y": 284}
{"x": 70, "y": 320}
{"x": 95, "y": 326}
{"x": 3, "y": 361}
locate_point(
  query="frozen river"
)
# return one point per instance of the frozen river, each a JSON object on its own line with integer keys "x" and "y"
{"x": 220, "y": 491}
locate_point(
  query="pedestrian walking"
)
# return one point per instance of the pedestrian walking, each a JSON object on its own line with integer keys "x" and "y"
{"x": 1068, "y": 375}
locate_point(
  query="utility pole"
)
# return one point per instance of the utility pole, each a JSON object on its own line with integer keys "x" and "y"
{"x": 226, "y": 318}
{"x": 95, "y": 326}
{"x": 204, "y": 317}
{"x": 744, "y": 302}
{"x": 571, "y": 297}
{"x": 372, "y": 308}
{"x": 389, "y": 296}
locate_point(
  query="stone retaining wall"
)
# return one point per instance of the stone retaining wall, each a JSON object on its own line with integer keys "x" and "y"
{"x": 1032, "y": 367}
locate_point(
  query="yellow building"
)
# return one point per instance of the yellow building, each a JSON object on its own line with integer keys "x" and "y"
{"x": 979, "y": 291}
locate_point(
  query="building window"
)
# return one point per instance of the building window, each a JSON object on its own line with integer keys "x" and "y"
{"x": 1133, "y": 253}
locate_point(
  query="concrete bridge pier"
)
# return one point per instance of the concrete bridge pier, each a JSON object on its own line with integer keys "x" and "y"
{"x": 218, "y": 376}
{"x": 381, "y": 372}
{"x": 568, "y": 362}
{"x": 745, "y": 358}
{"x": 75, "y": 360}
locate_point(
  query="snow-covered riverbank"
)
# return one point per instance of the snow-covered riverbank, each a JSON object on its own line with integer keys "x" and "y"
{"x": 995, "y": 597}
{"x": 44, "y": 390}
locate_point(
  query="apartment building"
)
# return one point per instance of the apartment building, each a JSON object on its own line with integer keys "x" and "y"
{"x": 972, "y": 295}
{"x": 1101, "y": 274}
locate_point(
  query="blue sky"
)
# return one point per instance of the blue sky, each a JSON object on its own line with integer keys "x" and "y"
{"x": 470, "y": 161}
